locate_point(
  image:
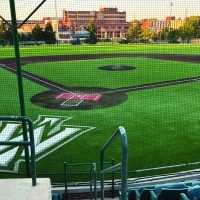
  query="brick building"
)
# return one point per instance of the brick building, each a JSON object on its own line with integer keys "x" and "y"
{"x": 30, "y": 24}
{"x": 110, "y": 23}
{"x": 158, "y": 25}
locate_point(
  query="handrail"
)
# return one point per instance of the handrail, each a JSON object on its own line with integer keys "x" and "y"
{"x": 93, "y": 179}
{"x": 124, "y": 163}
{"x": 84, "y": 172}
{"x": 24, "y": 143}
{"x": 164, "y": 167}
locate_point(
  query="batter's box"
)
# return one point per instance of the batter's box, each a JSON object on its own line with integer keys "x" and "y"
{"x": 84, "y": 97}
{"x": 71, "y": 103}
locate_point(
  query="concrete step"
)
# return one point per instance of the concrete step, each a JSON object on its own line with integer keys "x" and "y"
{"x": 22, "y": 189}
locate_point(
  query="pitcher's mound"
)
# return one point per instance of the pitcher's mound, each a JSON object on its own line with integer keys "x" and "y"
{"x": 117, "y": 68}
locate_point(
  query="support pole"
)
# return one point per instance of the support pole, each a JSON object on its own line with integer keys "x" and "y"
{"x": 5, "y": 21}
{"x": 31, "y": 14}
{"x": 19, "y": 79}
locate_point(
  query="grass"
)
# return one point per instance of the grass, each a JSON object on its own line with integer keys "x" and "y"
{"x": 44, "y": 50}
{"x": 86, "y": 73}
{"x": 162, "y": 124}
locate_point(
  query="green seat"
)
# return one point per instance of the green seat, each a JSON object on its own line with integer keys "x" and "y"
{"x": 133, "y": 194}
{"x": 146, "y": 194}
{"x": 140, "y": 193}
{"x": 183, "y": 197}
{"x": 158, "y": 188}
{"x": 194, "y": 193}
{"x": 169, "y": 194}
{"x": 196, "y": 183}
{"x": 152, "y": 187}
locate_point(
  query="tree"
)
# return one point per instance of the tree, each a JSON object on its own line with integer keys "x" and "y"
{"x": 147, "y": 34}
{"x": 173, "y": 36}
{"x": 22, "y": 37}
{"x": 191, "y": 28}
{"x": 93, "y": 33}
{"x": 2, "y": 33}
{"x": 163, "y": 34}
{"x": 133, "y": 34}
{"x": 37, "y": 33}
{"x": 9, "y": 35}
{"x": 49, "y": 34}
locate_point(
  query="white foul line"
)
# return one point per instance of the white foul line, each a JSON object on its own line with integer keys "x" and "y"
{"x": 23, "y": 73}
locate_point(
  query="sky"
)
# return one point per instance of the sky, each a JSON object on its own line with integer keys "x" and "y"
{"x": 135, "y": 9}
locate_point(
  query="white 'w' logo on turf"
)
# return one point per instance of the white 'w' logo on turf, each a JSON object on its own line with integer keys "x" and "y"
{"x": 50, "y": 133}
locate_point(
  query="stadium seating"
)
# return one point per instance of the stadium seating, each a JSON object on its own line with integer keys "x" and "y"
{"x": 194, "y": 183}
{"x": 192, "y": 194}
{"x": 56, "y": 196}
{"x": 188, "y": 190}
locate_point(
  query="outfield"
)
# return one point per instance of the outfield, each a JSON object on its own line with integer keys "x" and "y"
{"x": 162, "y": 123}
{"x": 102, "y": 48}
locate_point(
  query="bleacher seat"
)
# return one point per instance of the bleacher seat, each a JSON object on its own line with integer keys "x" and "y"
{"x": 158, "y": 188}
{"x": 56, "y": 196}
{"x": 140, "y": 192}
{"x": 163, "y": 191}
{"x": 152, "y": 187}
{"x": 192, "y": 194}
{"x": 189, "y": 183}
{"x": 194, "y": 183}
{"x": 146, "y": 194}
{"x": 169, "y": 194}
{"x": 133, "y": 194}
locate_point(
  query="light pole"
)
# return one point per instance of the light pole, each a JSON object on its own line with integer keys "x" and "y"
{"x": 171, "y": 5}
{"x": 56, "y": 15}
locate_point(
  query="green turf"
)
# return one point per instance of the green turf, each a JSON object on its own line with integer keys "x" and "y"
{"x": 101, "y": 48}
{"x": 162, "y": 124}
{"x": 86, "y": 73}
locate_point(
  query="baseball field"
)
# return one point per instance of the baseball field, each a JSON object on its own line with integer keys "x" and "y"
{"x": 77, "y": 96}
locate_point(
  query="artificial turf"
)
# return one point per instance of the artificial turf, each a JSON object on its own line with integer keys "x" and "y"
{"x": 162, "y": 124}
{"x": 86, "y": 73}
{"x": 101, "y": 48}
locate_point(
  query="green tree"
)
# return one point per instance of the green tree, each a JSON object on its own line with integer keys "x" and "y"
{"x": 22, "y": 37}
{"x": 49, "y": 34}
{"x": 163, "y": 34}
{"x": 37, "y": 33}
{"x": 2, "y": 33}
{"x": 9, "y": 35}
{"x": 134, "y": 32}
{"x": 147, "y": 34}
{"x": 191, "y": 28}
{"x": 173, "y": 36}
{"x": 93, "y": 33}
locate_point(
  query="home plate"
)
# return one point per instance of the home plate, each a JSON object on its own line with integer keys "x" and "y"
{"x": 84, "y": 97}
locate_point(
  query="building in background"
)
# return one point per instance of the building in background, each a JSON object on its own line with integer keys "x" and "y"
{"x": 177, "y": 23}
{"x": 110, "y": 23}
{"x": 30, "y": 24}
{"x": 158, "y": 25}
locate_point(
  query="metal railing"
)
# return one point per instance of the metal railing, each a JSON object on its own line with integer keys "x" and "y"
{"x": 123, "y": 165}
{"x": 93, "y": 180}
{"x": 66, "y": 173}
{"x": 25, "y": 143}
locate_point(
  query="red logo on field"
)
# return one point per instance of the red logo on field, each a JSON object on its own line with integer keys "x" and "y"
{"x": 84, "y": 97}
